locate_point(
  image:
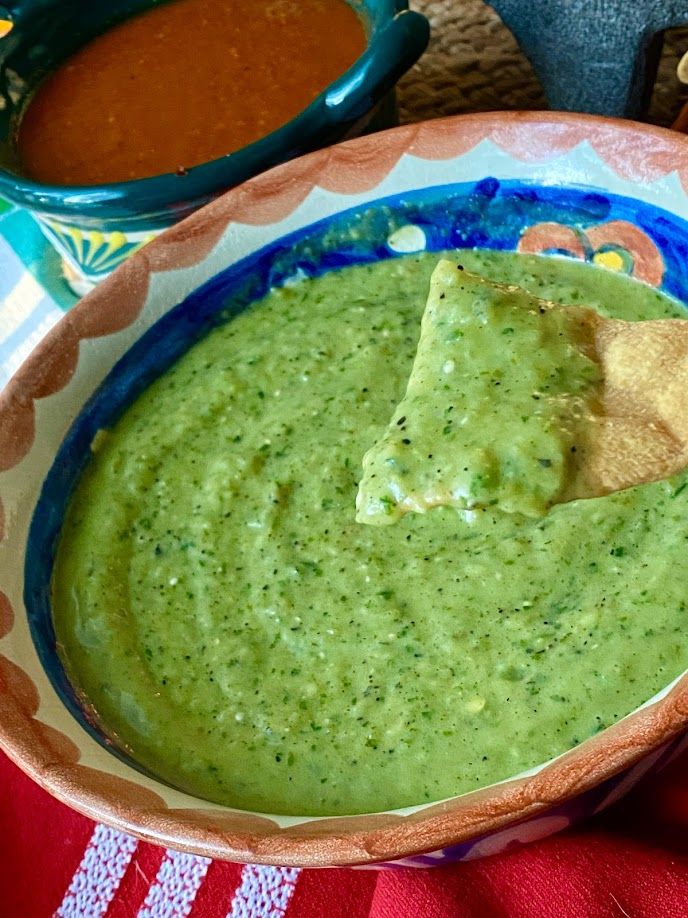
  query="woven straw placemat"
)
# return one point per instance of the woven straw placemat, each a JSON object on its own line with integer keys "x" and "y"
{"x": 474, "y": 64}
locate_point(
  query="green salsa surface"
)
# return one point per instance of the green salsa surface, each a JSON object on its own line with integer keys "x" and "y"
{"x": 247, "y": 640}
{"x": 501, "y": 382}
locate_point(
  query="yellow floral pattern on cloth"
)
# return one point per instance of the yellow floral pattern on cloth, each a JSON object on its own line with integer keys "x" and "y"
{"x": 616, "y": 245}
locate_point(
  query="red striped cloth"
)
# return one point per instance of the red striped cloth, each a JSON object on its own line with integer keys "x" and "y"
{"x": 630, "y": 862}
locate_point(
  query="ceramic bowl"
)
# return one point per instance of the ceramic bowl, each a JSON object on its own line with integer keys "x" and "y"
{"x": 94, "y": 228}
{"x": 609, "y": 192}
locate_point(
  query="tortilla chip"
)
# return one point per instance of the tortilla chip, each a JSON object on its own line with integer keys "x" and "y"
{"x": 499, "y": 384}
{"x": 641, "y": 431}
{"x": 517, "y": 403}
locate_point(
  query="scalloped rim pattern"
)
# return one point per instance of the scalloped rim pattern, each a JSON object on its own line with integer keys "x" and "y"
{"x": 94, "y": 783}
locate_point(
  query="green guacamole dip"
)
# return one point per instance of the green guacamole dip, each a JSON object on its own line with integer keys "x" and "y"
{"x": 246, "y": 639}
{"x": 500, "y": 383}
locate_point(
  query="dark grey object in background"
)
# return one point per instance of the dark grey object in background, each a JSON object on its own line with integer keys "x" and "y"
{"x": 593, "y": 55}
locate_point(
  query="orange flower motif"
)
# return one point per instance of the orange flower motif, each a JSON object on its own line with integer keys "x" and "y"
{"x": 617, "y": 245}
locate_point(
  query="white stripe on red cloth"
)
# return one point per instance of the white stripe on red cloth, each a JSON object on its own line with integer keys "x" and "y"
{"x": 97, "y": 877}
{"x": 264, "y": 892}
{"x": 174, "y": 889}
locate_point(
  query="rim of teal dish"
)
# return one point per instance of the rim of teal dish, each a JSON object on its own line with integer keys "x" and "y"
{"x": 397, "y": 38}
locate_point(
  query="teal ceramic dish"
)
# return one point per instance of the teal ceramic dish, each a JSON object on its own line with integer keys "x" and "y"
{"x": 96, "y": 227}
